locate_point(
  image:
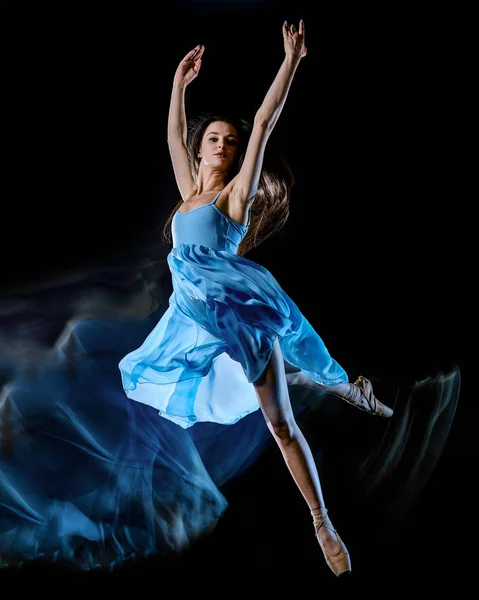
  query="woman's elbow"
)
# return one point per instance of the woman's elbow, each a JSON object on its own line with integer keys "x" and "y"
{"x": 261, "y": 121}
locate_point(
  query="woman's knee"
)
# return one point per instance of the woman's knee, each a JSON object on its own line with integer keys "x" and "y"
{"x": 283, "y": 431}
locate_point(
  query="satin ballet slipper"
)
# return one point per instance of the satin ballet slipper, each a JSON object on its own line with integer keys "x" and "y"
{"x": 338, "y": 559}
{"x": 361, "y": 396}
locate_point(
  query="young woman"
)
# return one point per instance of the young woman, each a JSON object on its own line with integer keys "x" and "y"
{"x": 232, "y": 341}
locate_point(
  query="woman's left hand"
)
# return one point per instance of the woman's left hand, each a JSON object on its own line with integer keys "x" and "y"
{"x": 294, "y": 40}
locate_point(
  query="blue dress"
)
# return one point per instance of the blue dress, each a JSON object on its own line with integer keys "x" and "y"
{"x": 225, "y": 313}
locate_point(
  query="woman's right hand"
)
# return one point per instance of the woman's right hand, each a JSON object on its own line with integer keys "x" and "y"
{"x": 190, "y": 66}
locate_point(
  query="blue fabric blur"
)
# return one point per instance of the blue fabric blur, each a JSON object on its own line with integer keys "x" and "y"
{"x": 216, "y": 338}
{"x": 89, "y": 478}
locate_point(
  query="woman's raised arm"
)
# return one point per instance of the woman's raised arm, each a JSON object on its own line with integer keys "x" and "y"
{"x": 186, "y": 71}
{"x": 246, "y": 182}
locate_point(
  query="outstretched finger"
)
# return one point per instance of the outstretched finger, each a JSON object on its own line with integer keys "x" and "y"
{"x": 301, "y": 27}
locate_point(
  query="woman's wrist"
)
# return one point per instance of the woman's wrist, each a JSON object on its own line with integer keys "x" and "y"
{"x": 179, "y": 84}
{"x": 292, "y": 60}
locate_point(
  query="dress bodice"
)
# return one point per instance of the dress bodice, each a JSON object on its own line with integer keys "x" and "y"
{"x": 208, "y": 226}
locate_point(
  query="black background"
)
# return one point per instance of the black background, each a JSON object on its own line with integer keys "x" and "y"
{"x": 376, "y": 252}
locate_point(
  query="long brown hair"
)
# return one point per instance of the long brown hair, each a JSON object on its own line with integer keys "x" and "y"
{"x": 270, "y": 208}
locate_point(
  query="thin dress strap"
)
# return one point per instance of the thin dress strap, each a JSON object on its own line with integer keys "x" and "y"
{"x": 215, "y": 198}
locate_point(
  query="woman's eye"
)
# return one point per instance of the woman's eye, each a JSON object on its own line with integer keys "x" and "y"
{"x": 213, "y": 139}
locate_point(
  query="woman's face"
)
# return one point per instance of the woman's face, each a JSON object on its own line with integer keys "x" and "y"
{"x": 219, "y": 145}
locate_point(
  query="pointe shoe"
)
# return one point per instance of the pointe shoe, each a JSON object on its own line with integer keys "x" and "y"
{"x": 361, "y": 396}
{"x": 338, "y": 560}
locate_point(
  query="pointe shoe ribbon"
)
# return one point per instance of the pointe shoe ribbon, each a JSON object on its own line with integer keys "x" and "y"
{"x": 338, "y": 560}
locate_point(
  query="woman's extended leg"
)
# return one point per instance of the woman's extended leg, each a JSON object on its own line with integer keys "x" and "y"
{"x": 273, "y": 396}
{"x": 360, "y": 393}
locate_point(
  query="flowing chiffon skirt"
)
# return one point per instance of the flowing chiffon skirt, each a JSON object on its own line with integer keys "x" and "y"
{"x": 216, "y": 338}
